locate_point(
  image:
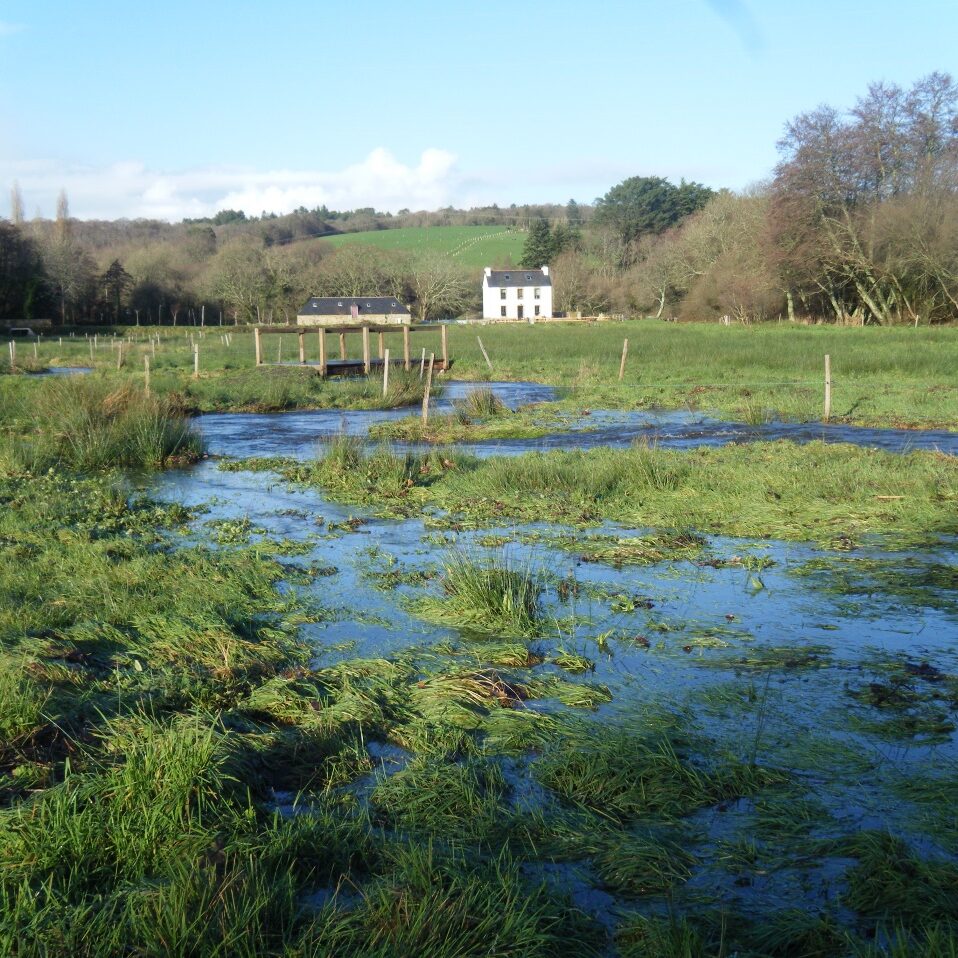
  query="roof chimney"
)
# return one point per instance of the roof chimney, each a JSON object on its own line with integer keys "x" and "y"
{"x": 488, "y": 271}
{"x": 545, "y": 270}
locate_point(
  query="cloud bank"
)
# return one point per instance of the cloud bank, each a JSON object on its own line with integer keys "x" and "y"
{"x": 132, "y": 190}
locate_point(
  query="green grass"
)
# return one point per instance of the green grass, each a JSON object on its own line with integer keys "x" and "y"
{"x": 832, "y": 494}
{"x": 881, "y": 376}
{"x": 470, "y": 246}
{"x": 489, "y": 595}
{"x": 91, "y": 424}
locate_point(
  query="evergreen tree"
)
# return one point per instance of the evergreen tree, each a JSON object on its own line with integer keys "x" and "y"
{"x": 539, "y": 248}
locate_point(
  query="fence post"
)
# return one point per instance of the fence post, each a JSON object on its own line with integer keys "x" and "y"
{"x": 259, "y": 346}
{"x": 485, "y": 355}
{"x": 342, "y": 345}
{"x": 828, "y": 387}
{"x": 385, "y": 372}
{"x": 625, "y": 353}
{"x": 119, "y": 355}
{"x": 381, "y": 346}
{"x": 13, "y": 355}
{"x": 302, "y": 347}
{"x": 366, "y": 350}
{"x": 322, "y": 351}
{"x": 443, "y": 332}
{"x": 405, "y": 348}
{"x": 196, "y": 360}
{"x": 146, "y": 375}
{"x": 422, "y": 362}
{"x": 425, "y": 395}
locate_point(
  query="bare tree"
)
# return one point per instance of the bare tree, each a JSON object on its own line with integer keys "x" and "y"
{"x": 16, "y": 205}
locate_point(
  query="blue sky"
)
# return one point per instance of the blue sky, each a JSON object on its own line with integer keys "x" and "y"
{"x": 179, "y": 108}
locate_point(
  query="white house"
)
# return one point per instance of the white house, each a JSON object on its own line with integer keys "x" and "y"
{"x": 516, "y": 293}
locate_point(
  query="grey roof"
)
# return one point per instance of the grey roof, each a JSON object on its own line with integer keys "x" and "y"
{"x": 518, "y": 277}
{"x": 342, "y": 306}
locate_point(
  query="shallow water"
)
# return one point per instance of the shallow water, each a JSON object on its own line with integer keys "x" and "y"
{"x": 64, "y": 371}
{"x": 297, "y": 433}
{"x": 771, "y": 661}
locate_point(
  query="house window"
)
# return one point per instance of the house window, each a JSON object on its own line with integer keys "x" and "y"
{"x": 536, "y": 293}
{"x": 502, "y": 311}
{"x": 519, "y": 292}
{"x": 502, "y": 293}
{"x": 537, "y": 310}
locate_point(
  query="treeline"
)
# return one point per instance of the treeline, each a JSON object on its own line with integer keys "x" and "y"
{"x": 249, "y": 269}
{"x": 859, "y": 224}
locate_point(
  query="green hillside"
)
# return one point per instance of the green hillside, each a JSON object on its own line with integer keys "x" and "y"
{"x": 470, "y": 245}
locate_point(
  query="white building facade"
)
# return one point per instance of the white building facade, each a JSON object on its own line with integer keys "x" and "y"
{"x": 517, "y": 294}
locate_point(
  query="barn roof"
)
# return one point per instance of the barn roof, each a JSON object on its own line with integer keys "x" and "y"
{"x": 518, "y": 277}
{"x": 343, "y": 306}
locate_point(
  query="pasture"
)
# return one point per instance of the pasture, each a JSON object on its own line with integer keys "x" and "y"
{"x": 471, "y": 246}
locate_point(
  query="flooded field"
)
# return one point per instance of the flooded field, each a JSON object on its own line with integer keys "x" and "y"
{"x": 296, "y": 433}
{"x": 826, "y": 680}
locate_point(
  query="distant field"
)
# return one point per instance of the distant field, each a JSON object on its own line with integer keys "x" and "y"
{"x": 470, "y": 245}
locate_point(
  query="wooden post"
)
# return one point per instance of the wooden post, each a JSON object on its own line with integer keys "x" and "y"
{"x": 422, "y": 363}
{"x": 90, "y": 341}
{"x": 828, "y": 387}
{"x": 36, "y": 354}
{"x": 405, "y": 349}
{"x": 279, "y": 349}
{"x": 322, "y": 351}
{"x": 443, "y": 333}
{"x": 625, "y": 354}
{"x": 342, "y": 345}
{"x": 257, "y": 342}
{"x": 385, "y": 372}
{"x": 485, "y": 355}
{"x": 366, "y": 361}
{"x": 302, "y": 347}
{"x": 119, "y": 356}
{"x": 196, "y": 361}
{"x": 425, "y": 395}
{"x": 382, "y": 345}
{"x": 13, "y": 355}
{"x": 146, "y": 375}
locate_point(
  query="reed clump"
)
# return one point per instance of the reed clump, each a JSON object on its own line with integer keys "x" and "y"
{"x": 90, "y": 424}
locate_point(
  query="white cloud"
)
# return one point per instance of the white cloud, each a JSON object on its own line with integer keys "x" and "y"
{"x": 130, "y": 189}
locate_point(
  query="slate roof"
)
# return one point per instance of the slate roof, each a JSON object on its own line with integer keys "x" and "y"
{"x": 518, "y": 277}
{"x": 342, "y": 306}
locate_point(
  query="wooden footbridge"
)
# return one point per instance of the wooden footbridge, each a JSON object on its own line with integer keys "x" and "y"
{"x": 356, "y": 366}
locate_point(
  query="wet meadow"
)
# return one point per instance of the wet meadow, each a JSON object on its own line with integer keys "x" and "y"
{"x": 584, "y": 666}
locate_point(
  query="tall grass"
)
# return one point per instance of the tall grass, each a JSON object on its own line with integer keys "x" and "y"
{"x": 88, "y": 424}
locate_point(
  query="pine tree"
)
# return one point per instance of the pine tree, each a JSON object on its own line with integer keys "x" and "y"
{"x": 539, "y": 248}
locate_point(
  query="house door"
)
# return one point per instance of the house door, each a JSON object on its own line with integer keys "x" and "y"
{"x": 519, "y": 313}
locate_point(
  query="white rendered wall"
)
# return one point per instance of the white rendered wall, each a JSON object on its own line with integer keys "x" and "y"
{"x": 492, "y": 301}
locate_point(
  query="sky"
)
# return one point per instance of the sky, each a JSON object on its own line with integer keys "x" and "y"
{"x": 178, "y": 109}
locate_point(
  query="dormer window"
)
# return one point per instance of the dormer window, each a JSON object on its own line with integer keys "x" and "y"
{"x": 508, "y": 276}
{"x": 339, "y": 304}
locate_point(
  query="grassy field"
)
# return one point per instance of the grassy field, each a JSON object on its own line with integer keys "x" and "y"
{"x": 881, "y": 377}
{"x": 473, "y": 246}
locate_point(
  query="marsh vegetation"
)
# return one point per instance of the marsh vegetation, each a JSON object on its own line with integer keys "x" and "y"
{"x": 384, "y": 701}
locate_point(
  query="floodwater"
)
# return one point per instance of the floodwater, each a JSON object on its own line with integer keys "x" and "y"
{"x": 295, "y": 434}
{"x": 770, "y": 648}
{"x": 64, "y": 371}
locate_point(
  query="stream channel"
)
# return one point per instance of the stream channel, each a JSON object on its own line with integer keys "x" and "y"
{"x": 770, "y": 647}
